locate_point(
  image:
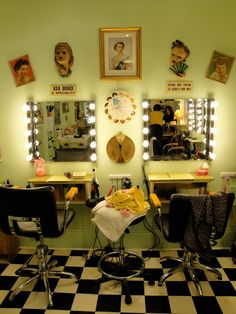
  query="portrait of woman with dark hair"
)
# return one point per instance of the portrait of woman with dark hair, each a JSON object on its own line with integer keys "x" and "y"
{"x": 21, "y": 70}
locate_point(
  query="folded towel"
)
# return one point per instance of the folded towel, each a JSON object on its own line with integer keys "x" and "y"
{"x": 131, "y": 199}
{"x": 111, "y": 222}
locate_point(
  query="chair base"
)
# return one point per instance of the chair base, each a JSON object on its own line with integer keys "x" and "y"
{"x": 121, "y": 266}
{"x": 42, "y": 271}
{"x": 189, "y": 263}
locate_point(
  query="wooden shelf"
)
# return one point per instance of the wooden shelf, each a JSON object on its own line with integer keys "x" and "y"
{"x": 166, "y": 184}
{"x": 62, "y": 184}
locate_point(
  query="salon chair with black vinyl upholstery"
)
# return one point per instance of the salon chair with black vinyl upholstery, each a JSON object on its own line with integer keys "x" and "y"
{"x": 32, "y": 212}
{"x": 191, "y": 221}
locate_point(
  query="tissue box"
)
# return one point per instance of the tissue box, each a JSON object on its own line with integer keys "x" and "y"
{"x": 202, "y": 172}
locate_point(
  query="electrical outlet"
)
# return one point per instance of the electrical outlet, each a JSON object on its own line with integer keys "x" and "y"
{"x": 118, "y": 176}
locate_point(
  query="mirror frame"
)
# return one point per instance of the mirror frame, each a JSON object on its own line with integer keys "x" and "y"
{"x": 200, "y": 108}
{"x": 34, "y": 143}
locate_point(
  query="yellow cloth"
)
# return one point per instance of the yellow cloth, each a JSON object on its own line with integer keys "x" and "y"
{"x": 131, "y": 199}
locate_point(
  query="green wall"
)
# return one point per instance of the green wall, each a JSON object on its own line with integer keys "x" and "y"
{"x": 34, "y": 28}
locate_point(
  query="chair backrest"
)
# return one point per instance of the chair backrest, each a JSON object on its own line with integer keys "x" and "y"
{"x": 229, "y": 205}
{"x": 29, "y": 203}
{"x": 179, "y": 213}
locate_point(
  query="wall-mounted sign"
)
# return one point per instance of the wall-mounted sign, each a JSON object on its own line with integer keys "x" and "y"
{"x": 176, "y": 86}
{"x": 63, "y": 89}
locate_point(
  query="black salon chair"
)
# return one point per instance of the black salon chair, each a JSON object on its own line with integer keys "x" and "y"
{"x": 32, "y": 212}
{"x": 195, "y": 235}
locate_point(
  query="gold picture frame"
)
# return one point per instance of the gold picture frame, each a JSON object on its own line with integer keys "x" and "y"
{"x": 219, "y": 67}
{"x": 120, "y": 56}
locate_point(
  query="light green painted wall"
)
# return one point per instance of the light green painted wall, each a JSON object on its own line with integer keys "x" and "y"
{"x": 34, "y": 27}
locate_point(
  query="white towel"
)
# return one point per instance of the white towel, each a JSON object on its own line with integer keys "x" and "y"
{"x": 110, "y": 221}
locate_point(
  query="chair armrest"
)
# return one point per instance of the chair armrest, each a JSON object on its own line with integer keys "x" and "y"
{"x": 157, "y": 204}
{"x": 71, "y": 193}
{"x": 155, "y": 200}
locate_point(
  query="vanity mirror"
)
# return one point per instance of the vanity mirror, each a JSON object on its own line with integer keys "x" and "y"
{"x": 61, "y": 130}
{"x": 178, "y": 129}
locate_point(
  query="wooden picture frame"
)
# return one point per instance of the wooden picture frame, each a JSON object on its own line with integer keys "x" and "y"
{"x": 21, "y": 70}
{"x": 219, "y": 67}
{"x": 120, "y": 55}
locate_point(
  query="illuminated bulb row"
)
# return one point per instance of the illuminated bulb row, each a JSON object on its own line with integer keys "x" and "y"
{"x": 145, "y": 106}
{"x": 92, "y": 132}
{"x": 30, "y": 108}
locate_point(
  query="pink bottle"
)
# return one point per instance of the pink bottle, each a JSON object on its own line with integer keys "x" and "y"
{"x": 40, "y": 170}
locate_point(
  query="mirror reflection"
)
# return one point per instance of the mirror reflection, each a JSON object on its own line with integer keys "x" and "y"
{"x": 66, "y": 130}
{"x": 176, "y": 129}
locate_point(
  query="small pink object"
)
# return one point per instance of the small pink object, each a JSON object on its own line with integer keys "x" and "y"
{"x": 202, "y": 172}
{"x": 40, "y": 170}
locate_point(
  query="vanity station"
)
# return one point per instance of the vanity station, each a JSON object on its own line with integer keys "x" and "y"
{"x": 61, "y": 185}
{"x": 168, "y": 183}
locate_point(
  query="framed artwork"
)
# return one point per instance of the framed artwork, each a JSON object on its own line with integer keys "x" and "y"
{"x": 219, "y": 67}
{"x": 21, "y": 70}
{"x": 120, "y": 53}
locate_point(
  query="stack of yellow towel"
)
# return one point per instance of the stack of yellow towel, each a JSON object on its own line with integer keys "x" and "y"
{"x": 131, "y": 199}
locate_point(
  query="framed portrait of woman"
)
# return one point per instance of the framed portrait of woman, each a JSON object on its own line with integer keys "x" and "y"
{"x": 21, "y": 70}
{"x": 219, "y": 67}
{"x": 120, "y": 53}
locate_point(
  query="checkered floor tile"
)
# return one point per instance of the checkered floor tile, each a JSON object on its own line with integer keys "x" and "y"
{"x": 177, "y": 295}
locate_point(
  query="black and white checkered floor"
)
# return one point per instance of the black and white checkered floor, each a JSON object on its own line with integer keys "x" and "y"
{"x": 177, "y": 295}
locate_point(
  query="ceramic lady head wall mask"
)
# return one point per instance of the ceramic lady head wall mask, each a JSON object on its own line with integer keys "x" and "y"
{"x": 64, "y": 58}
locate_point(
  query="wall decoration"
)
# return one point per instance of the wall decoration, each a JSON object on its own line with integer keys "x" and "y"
{"x": 63, "y": 89}
{"x": 178, "y": 56}
{"x": 21, "y": 70}
{"x": 219, "y": 67}
{"x": 120, "y": 53}
{"x": 120, "y": 148}
{"x": 64, "y": 59}
{"x": 120, "y": 106}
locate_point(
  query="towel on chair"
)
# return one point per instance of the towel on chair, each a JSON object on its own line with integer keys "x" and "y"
{"x": 110, "y": 221}
{"x": 131, "y": 199}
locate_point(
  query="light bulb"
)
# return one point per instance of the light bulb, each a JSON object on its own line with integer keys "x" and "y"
{"x": 145, "y": 104}
{"x": 92, "y": 132}
{"x": 93, "y": 157}
{"x": 92, "y": 106}
{"x": 145, "y": 156}
{"x": 93, "y": 144}
{"x": 145, "y": 118}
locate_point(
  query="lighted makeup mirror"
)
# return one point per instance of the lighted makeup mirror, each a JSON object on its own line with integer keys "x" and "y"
{"x": 178, "y": 129}
{"x": 61, "y": 130}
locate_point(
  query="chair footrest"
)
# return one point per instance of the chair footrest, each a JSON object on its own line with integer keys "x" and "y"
{"x": 120, "y": 266}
